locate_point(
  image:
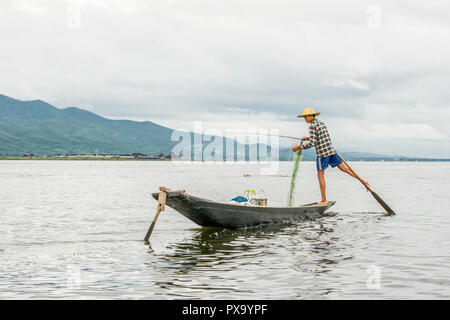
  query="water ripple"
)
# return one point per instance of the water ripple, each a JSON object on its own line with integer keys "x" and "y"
{"x": 73, "y": 230}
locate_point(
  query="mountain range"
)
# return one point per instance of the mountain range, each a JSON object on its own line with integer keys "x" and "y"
{"x": 39, "y": 128}
{"x": 42, "y": 129}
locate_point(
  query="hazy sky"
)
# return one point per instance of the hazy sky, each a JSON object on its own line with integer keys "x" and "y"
{"x": 379, "y": 71}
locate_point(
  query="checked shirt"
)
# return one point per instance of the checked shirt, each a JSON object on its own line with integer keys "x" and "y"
{"x": 319, "y": 138}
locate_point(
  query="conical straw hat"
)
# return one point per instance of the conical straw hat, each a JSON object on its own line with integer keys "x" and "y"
{"x": 308, "y": 112}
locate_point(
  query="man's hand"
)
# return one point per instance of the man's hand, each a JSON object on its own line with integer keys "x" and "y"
{"x": 305, "y": 138}
{"x": 296, "y": 148}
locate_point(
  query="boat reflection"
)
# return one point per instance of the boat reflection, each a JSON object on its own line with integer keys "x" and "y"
{"x": 217, "y": 247}
{"x": 309, "y": 246}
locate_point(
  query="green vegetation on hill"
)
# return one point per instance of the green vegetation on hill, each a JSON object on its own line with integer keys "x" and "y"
{"x": 40, "y": 128}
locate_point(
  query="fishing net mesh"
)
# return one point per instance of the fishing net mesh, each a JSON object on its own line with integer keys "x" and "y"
{"x": 298, "y": 156}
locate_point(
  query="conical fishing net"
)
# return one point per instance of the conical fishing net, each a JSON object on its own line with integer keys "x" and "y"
{"x": 298, "y": 156}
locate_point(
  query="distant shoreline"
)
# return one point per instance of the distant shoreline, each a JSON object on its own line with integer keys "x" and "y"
{"x": 180, "y": 160}
{"x": 80, "y": 159}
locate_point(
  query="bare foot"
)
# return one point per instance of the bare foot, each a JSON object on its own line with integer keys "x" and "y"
{"x": 321, "y": 203}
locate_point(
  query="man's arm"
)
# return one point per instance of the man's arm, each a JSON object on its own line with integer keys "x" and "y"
{"x": 312, "y": 138}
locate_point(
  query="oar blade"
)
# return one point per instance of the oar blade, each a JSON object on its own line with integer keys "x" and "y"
{"x": 382, "y": 203}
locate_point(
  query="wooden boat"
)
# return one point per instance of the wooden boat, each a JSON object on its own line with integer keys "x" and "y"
{"x": 207, "y": 213}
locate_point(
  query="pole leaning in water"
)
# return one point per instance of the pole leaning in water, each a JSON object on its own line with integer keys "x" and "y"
{"x": 377, "y": 197}
{"x": 159, "y": 207}
{"x": 298, "y": 156}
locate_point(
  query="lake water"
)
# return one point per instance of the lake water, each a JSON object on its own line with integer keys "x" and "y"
{"x": 74, "y": 229}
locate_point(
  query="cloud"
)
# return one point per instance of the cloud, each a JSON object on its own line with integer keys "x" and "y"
{"x": 396, "y": 131}
{"x": 33, "y": 7}
{"x": 252, "y": 63}
{"x": 345, "y": 81}
{"x": 120, "y": 5}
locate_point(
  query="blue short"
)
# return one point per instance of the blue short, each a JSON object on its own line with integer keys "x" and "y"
{"x": 333, "y": 161}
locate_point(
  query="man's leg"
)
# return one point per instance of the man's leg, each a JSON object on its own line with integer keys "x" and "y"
{"x": 343, "y": 168}
{"x": 321, "y": 176}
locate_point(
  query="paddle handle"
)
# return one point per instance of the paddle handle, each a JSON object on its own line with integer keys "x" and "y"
{"x": 354, "y": 173}
{"x": 376, "y": 196}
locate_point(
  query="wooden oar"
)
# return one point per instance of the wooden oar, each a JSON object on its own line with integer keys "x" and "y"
{"x": 377, "y": 197}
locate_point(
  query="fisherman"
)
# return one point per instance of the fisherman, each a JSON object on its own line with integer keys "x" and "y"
{"x": 326, "y": 154}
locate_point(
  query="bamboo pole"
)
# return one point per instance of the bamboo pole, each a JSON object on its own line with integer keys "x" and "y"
{"x": 159, "y": 207}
